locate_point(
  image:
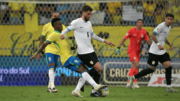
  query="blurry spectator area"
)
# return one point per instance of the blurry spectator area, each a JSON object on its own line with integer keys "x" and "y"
{"x": 30, "y": 17}
{"x": 63, "y": 11}
{"x": 109, "y": 13}
{"x": 15, "y": 10}
{"x": 45, "y": 11}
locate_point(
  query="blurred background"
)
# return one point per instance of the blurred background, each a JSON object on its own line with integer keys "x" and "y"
{"x": 21, "y": 23}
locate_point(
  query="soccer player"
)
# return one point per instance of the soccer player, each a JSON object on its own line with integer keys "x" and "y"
{"x": 157, "y": 53}
{"x": 83, "y": 33}
{"x": 52, "y": 55}
{"x": 64, "y": 49}
{"x": 135, "y": 35}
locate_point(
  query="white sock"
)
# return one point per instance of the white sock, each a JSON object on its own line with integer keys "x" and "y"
{"x": 93, "y": 91}
{"x": 168, "y": 86}
{"x": 81, "y": 82}
{"x": 51, "y": 77}
{"x": 89, "y": 79}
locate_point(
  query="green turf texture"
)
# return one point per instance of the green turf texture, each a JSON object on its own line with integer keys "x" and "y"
{"x": 39, "y": 93}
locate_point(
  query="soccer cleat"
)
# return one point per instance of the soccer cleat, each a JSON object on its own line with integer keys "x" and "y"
{"x": 131, "y": 79}
{"x": 49, "y": 90}
{"x": 135, "y": 85}
{"x": 96, "y": 88}
{"x": 54, "y": 90}
{"x": 95, "y": 94}
{"x": 171, "y": 90}
{"x": 76, "y": 93}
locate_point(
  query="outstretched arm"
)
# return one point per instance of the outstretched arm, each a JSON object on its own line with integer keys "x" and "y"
{"x": 149, "y": 42}
{"x": 153, "y": 35}
{"x": 121, "y": 43}
{"x": 42, "y": 47}
{"x": 168, "y": 43}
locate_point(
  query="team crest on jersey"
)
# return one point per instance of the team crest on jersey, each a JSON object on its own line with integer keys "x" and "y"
{"x": 91, "y": 62}
{"x": 142, "y": 35}
{"x": 134, "y": 58}
{"x": 153, "y": 62}
{"x": 49, "y": 58}
{"x": 76, "y": 61}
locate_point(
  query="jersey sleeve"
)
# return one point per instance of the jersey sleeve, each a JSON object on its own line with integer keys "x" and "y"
{"x": 52, "y": 38}
{"x": 146, "y": 37}
{"x": 128, "y": 35}
{"x": 73, "y": 25}
{"x": 158, "y": 29}
{"x": 45, "y": 31}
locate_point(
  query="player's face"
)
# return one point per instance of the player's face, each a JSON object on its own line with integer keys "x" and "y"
{"x": 139, "y": 23}
{"x": 55, "y": 15}
{"x": 58, "y": 26}
{"x": 169, "y": 20}
{"x": 87, "y": 15}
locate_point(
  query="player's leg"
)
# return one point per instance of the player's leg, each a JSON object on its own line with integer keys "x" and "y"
{"x": 91, "y": 60}
{"x": 165, "y": 60}
{"x": 134, "y": 58}
{"x": 152, "y": 61}
{"x": 51, "y": 65}
{"x": 76, "y": 65}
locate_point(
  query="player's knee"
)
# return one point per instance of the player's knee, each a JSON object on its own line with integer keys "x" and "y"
{"x": 51, "y": 64}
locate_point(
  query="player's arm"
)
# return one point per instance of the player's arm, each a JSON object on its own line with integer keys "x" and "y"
{"x": 128, "y": 35}
{"x": 42, "y": 39}
{"x": 156, "y": 32}
{"x": 72, "y": 26}
{"x": 94, "y": 36}
{"x": 41, "y": 48}
{"x": 168, "y": 43}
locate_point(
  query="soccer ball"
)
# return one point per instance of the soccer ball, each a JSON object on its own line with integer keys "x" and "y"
{"x": 103, "y": 91}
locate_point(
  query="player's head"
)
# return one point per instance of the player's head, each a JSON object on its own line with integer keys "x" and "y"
{"x": 139, "y": 23}
{"x": 86, "y": 12}
{"x": 54, "y": 15}
{"x": 169, "y": 19}
{"x": 57, "y": 24}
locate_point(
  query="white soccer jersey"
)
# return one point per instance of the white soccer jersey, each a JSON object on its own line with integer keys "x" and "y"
{"x": 161, "y": 31}
{"x": 83, "y": 33}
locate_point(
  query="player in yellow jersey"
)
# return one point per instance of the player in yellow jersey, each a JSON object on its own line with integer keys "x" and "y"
{"x": 52, "y": 55}
{"x": 73, "y": 63}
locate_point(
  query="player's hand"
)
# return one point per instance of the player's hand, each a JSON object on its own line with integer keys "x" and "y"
{"x": 33, "y": 57}
{"x": 109, "y": 43}
{"x": 118, "y": 51}
{"x": 160, "y": 47}
{"x": 62, "y": 36}
{"x": 38, "y": 56}
{"x": 171, "y": 47}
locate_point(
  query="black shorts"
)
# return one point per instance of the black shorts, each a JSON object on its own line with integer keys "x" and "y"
{"x": 89, "y": 59}
{"x": 154, "y": 59}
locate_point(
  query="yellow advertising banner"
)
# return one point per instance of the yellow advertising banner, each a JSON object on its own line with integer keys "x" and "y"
{"x": 15, "y": 41}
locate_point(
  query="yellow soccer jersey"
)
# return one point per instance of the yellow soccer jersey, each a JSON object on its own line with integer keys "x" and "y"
{"x": 62, "y": 46}
{"x": 47, "y": 30}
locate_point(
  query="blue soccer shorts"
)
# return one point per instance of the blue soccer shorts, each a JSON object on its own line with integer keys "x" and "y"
{"x": 72, "y": 63}
{"x": 52, "y": 58}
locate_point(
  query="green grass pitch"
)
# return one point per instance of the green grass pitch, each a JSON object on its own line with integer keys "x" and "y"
{"x": 38, "y": 93}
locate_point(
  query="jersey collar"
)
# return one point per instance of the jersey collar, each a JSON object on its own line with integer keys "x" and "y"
{"x": 57, "y": 31}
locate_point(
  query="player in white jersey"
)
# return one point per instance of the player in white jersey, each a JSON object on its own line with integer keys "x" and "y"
{"x": 83, "y": 33}
{"x": 157, "y": 53}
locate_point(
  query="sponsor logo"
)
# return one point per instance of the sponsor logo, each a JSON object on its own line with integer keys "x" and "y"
{"x": 142, "y": 36}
